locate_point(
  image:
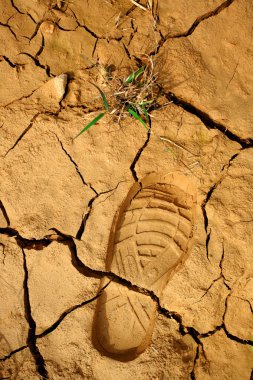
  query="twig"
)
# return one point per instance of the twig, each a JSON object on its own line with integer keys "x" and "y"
{"x": 177, "y": 145}
{"x": 139, "y": 5}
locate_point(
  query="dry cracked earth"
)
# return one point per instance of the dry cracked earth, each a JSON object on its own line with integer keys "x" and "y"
{"x": 59, "y": 195}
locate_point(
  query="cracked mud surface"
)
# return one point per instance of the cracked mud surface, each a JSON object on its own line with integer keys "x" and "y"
{"x": 59, "y": 196}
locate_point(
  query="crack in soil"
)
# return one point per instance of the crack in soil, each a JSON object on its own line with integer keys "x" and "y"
{"x": 127, "y": 51}
{"x": 221, "y": 268}
{"x": 245, "y": 300}
{"x": 208, "y": 234}
{"x": 10, "y": 29}
{"x": 75, "y": 165}
{"x": 221, "y": 276}
{"x": 223, "y": 327}
{"x": 209, "y": 287}
{"x": 3, "y": 251}
{"x": 24, "y": 243}
{"x": 23, "y": 133}
{"x": 208, "y": 197}
{"x": 41, "y": 48}
{"x": 20, "y": 99}
{"x": 38, "y": 24}
{"x": 138, "y": 155}
{"x": 31, "y": 17}
{"x": 236, "y": 338}
{"x": 98, "y": 274}
{"x": 10, "y": 63}
{"x": 15, "y": 7}
{"x": 204, "y": 213}
{"x": 79, "y": 25}
{"x": 92, "y": 33}
{"x": 6, "y": 357}
{"x": 228, "y": 334}
{"x": 195, "y": 362}
{"x": 192, "y": 28}
{"x": 66, "y": 239}
{"x": 31, "y": 339}
{"x": 81, "y": 230}
{"x": 70, "y": 310}
{"x": 32, "y": 121}
{"x": 37, "y": 63}
{"x": 199, "y": 19}
{"x": 6, "y": 217}
{"x": 208, "y": 121}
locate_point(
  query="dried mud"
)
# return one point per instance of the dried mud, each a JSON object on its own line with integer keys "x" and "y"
{"x": 59, "y": 196}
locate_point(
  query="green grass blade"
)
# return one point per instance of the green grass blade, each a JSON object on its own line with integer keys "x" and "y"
{"x": 137, "y": 117}
{"x": 145, "y": 113}
{"x": 103, "y": 97}
{"x": 94, "y": 121}
{"x": 134, "y": 75}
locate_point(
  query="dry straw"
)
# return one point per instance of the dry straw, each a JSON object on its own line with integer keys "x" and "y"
{"x": 136, "y": 95}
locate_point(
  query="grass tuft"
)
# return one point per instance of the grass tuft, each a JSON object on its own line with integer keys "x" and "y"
{"x": 136, "y": 96}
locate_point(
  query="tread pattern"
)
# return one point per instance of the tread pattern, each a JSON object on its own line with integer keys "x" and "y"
{"x": 150, "y": 238}
{"x": 153, "y": 234}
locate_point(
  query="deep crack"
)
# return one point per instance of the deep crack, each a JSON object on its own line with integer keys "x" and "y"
{"x": 192, "y": 374}
{"x": 37, "y": 63}
{"x": 203, "y": 208}
{"x": 41, "y": 48}
{"x": 89, "y": 272}
{"x": 208, "y": 236}
{"x": 99, "y": 274}
{"x": 37, "y": 244}
{"x": 10, "y": 63}
{"x": 38, "y": 24}
{"x": 208, "y": 121}
{"x": 236, "y": 338}
{"x": 31, "y": 339}
{"x": 4, "y": 212}
{"x": 138, "y": 155}
{"x": 15, "y": 7}
{"x": 80, "y": 232}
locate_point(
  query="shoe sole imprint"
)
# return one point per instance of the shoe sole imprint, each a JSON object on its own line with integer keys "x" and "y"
{"x": 151, "y": 237}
